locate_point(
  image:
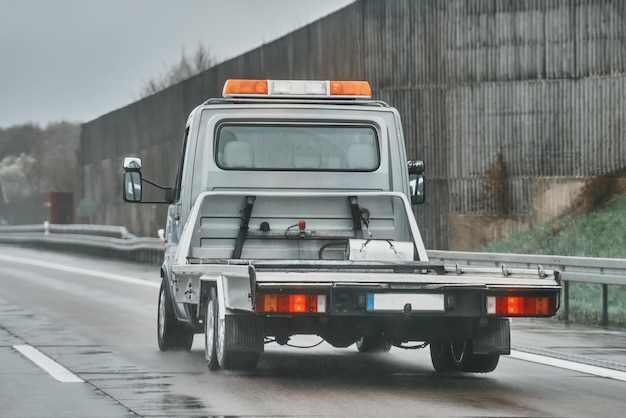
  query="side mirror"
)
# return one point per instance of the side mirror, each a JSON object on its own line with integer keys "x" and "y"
{"x": 416, "y": 181}
{"x": 132, "y": 183}
{"x": 132, "y": 186}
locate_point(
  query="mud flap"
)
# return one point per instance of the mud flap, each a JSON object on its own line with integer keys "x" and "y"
{"x": 495, "y": 338}
{"x": 244, "y": 333}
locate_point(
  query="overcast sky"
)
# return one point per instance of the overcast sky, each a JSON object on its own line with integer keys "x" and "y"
{"x": 76, "y": 60}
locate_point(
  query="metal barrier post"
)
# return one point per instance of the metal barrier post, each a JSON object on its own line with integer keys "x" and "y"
{"x": 565, "y": 300}
{"x": 604, "y": 320}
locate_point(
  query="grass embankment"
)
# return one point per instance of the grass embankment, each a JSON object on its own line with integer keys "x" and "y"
{"x": 595, "y": 226}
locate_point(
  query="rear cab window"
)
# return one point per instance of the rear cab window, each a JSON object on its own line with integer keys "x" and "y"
{"x": 289, "y": 147}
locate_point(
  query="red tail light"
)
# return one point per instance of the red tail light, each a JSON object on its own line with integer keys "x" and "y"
{"x": 289, "y": 303}
{"x": 521, "y": 305}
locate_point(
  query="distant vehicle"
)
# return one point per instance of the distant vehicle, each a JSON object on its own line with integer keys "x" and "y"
{"x": 291, "y": 214}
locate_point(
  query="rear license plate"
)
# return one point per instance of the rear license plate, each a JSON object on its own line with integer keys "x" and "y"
{"x": 396, "y": 302}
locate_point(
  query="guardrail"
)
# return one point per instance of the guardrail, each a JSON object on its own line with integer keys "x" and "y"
{"x": 602, "y": 271}
{"x": 117, "y": 242}
{"x": 98, "y": 240}
{"x": 80, "y": 229}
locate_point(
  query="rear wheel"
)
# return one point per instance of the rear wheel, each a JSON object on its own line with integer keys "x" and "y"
{"x": 227, "y": 358}
{"x": 482, "y": 363}
{"x": 478, "y": 363}
{"x": 441, "y": 356}
{"x": 373, "y": 345}
{"x": 448, "y": 356}
{"x": 171, "y": 334}
{"x": 458, "y": 350}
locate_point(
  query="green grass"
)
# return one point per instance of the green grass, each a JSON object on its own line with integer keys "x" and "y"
{"x": 600, "y": 232}
{"x": 586, "y": 304}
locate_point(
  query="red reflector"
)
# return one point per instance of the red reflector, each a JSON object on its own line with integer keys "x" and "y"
{"x": 521, "y": 305}
{"x": 283, "y": 303}
{"x": 289, "y": 303}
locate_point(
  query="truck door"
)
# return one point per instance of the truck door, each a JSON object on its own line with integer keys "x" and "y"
{"x": 173, "y": 223}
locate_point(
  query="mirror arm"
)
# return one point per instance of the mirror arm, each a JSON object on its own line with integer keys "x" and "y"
{"x": 154, "y": 184}
{"x": 170, "y": 192}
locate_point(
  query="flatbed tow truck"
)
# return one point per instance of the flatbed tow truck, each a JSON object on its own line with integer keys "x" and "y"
{"x": 292, "y": 214}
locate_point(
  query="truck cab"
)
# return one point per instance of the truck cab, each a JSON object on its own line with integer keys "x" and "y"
{"x": 292, "y": 136}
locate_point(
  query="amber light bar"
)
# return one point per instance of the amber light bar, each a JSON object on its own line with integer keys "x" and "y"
{"x": 521, "y": 305}
{"x": 289, "y": 303}
{"x": 297, "y": 88}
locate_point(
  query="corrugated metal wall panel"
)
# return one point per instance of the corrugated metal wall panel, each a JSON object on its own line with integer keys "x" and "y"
{"x": 432, "y": 216}
{"x": 401, "y": 45}
{"x": 541, "y": 83}
{"x": 423, "y": 114}
{"x": 543, "y": 128}
{"x": 539, "y": 39}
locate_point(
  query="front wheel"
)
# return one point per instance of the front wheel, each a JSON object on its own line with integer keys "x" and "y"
{"x": 171, "y": 334}
{"x": 210, "y": 351}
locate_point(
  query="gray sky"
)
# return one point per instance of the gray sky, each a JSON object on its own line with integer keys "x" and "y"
{"x": 76, "y": 60}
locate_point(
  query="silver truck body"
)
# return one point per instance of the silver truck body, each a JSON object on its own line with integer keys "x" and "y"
{"x": 293, "y": 216}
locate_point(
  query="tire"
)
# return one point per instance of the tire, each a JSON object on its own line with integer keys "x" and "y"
{"x": 210, "y": 351}
{"x": 240, "y": 360}
{"x": 478, "y": 363}
{"x": 441, "y": 356}
{"x": 459, "y": 352}
{"x": 481, "y": 363}
{"x": 448, "y": 356}
{"x": 171, "y": 334}
{"x": 373, "y": 345}
{"x": 227, "y": 358}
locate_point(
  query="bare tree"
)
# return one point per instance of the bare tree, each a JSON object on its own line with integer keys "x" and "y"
{"x": 18, "y": 139}
{"x": 186, "y": 68}
{"x": 35, "y": 160}
{"x": 56, "y": 157}
{"x": 14, "y": 177}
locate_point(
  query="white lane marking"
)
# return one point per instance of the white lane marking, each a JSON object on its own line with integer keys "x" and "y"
{"x": 50, "y": 366}
{"x": 78, "y": 270}
{"x": 570, "y": 365}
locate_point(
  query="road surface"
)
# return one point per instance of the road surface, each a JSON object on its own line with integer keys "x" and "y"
{"x": 78, "y": 338}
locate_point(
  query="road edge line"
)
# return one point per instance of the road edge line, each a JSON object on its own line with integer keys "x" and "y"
{"x": 569, "y": 365}
{"x": 54, "y": 369}
{"x": 79, "y": 270}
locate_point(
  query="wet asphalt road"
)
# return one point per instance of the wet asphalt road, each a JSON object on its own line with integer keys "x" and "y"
{"x": 104, "y": 332}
